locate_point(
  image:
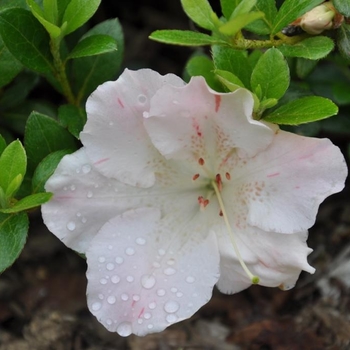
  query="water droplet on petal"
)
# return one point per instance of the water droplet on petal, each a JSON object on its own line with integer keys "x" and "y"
{"x": 150, "y": 326}
{"x": 78, "y": 214}
{"x": 136, "y": 297}
{"x": 169, "y": 271}
{"x": 161, "y": 292}
{"x": 96, "y": 306}
{"x": 124, "y": 297}
{"x": 119, "y": 260}
{"x": 65, "y": 188}
{"x": 142, "y": 99}
{"x": 89, "y": 194}
{"x": 161, "y": 252}
{"x": 130, "y": 251}
{"x": 103, "y": 281}
{"x": 83, "y": 220}
{"x": 140, "y": 241}
{"x": 148, "y": 281}
{"x": 71, "y": 226}
{"x": 130, "y": 279}
{"x": 72, "y": 187}
{"x": 190, "y": 279}
{"x": 156, "y": 264}
{"x": 111, "y": 299}
{"x": 179, "y": 294}
{"x": 152, "y": 305}
{"x": 109, "y": 321}
{"x": 174, "y": 290}
{"x": 110, "y": 266}
{"x": 101, "y": 259}
{"x": 115, "y": 279}
{"x": 171, "y": 261}
{"x": 86, "y": 168}
{"x": 101, "y": 296}
{"x": 147, "y": 316}
{"x": 140, "y": 321}
{"x": 171, "y": 318}
{"x": 124, "y": 329}
{"x": 171, "y": 306}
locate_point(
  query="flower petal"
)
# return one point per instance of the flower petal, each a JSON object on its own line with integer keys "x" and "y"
{"x": 145, "y": 273}
{"x": 284, "y": 185}
{"x": 114, "y": 136}
{"x": 194, "y": 121}
{"x": 276, "y": 259}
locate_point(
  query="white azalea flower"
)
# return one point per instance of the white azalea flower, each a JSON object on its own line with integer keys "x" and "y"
{"x": 178, "y": 189}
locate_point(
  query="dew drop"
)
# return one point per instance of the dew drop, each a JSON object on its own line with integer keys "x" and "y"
{"x": 109, "y": 321}
{"x": 96, "y": 306}
{"x": 147, "y": 316}
{"x": 124, "y": 329}
{"x": 111, "y": 299}
{"x": 101, "y": 259}
{"x": 171, "y": 306}
{"x": 140, "y": 241}
{"x": 152, "y": 305}
{"x": 156, "y": 264}
{"x": 161, "y": 292}
{"x": 130, "y": 251}
{"x": 130, "y": 279}
{"x": 161, "y": 252}
{"x": 89, "y": 194}
{"x": 83, "y": 220}
{"x": 148, "y": 281}
{"x": 150, "y": 326}
{"x": 190, "y": 279}
{"x": 141, "y": 99}
{"x": 72, "y": 187}
{"x": 179, "y": 294}
{"x": 171, "y": 318}
{"x": 174, "y": 290}
{"x": 101, "y": 296}
{"x": 110, "y": 267}
{"x": 136, "y": 297}
{"x": 169, "y": 271}
{"x": 65, "y": 188}
{"x": 86, "y": 168}
{"x": 71, "y": 226}
{"x": 115, "y": 279}
{"x": 140, "y": 321}
{"x": 124, "y": 297}
{"x": 103, "y": 281}
{"x": 171, "y": 262}
{"x": 119, "y": 260}
{"x": 78, "y": 214}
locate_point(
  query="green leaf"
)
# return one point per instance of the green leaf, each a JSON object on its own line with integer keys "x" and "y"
{"x": 46, "y": 168}
{"x": 234, "y": 61}
{"x": 312, "y": 48}
{"x": 203, "y": 66}
{"x": 13, "y": 235}
{"x": 263, "y": 26}
{"x": 9, "y": 66}
{"x": 89, "y": 72}
{"x": 44, "y": 135}
{"x": 5, "y": 4}
{"x": 227, "y": 7}
{"x": 13, "y": 162}
{"x": 61, "y": 9}
{"x": 341, "y": 93}
{"x": 185, "y": 38}
{"x": 343, "y": 41}
{"x": 79, "y": 12}
{"x": 233, "y": 26}
{"x": 342, "y": 6}
{"x": 38, "y": 13}
{"x": 245, "y": 6}
{"x": 72, "y": 117}
{"x": 28, "y": 202}
{"x": 14, "y": 186}
{"x": 200, "y": 12}
{"x": 271, "y": 74}
{"x": 2, "y": 144}
{"x": 94, "y": 45}
{"x": 229, "y": 80}
{"x": 304, "y": 67}
{"x": 304, "y": 110}
{"x": 51, "y": 10}
{"x": 291, "y": 10}
{"x": 26, "y": 39}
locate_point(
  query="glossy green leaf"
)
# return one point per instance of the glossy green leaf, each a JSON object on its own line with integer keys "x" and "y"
{"x": 46, "y": 168}
{"x": 200, "y": 12}
{"x": 9, "y": 66}
{"x": 271, "y": 75}
{"x": 61, "y": 9}
{"x": 26, "y": 39}
{"x": 229, "y": 80}
{"x": 341, "y": 93}
{"x": 5, "y": 4}
{"x": 203, "y": 66}
{"x": 2, "y": 144}
{"x": 264, "y": 25}
{"x": 94, "y": 45}
{"x": 304, "y": 67}
{"x": 343, "y": 41}
{"x": 51, "y": 10}
{"x": 13, "y": 162}
{"x": 79, "y": 12}
{"x": 44, "y": 135}
{"x": 184, "y": 37}
{"x": 28, "y": 202}
{"x": 245, "y": 6}
{"x": 303, "y": 110}
{"x": 227, "y": 7}
{"x": 342, "y": 6}
{"x": 234, "y": 61}
{"x": 89, "y": 72}
{"x": 291, "y": 10}
{"x": 233, "y": 26}
{"x": 13, "y": 235}
{"x": 72, "y": 117}
{"x": 312, "y": 48}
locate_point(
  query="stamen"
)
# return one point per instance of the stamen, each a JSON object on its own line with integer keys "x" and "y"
{"x": 228, "y": 176}
{"x": 254, "y": 279}
{"x": 218, "y": 181}
{"x": 201, "y": 161}
{"x": 195, "y": 177}
{"x": 203, "y": 202}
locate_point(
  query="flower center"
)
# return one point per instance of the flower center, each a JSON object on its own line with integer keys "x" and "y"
{"x": 216, "y": 184}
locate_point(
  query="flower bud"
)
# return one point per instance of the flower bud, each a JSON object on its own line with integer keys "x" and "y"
{"x": 318, "y": 19}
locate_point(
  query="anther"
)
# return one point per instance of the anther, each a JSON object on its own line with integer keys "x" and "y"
{"x": 202, "y": 202}
{"x": 201, "y": 161}
{"x": 218, "y": 181}
{"x": 195, "y": 177}
{"x": 228, "y": 176}
{"x": 220, "y": 213}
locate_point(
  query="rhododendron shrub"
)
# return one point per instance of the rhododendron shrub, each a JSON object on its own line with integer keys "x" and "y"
{"x": 178, "y": 189}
